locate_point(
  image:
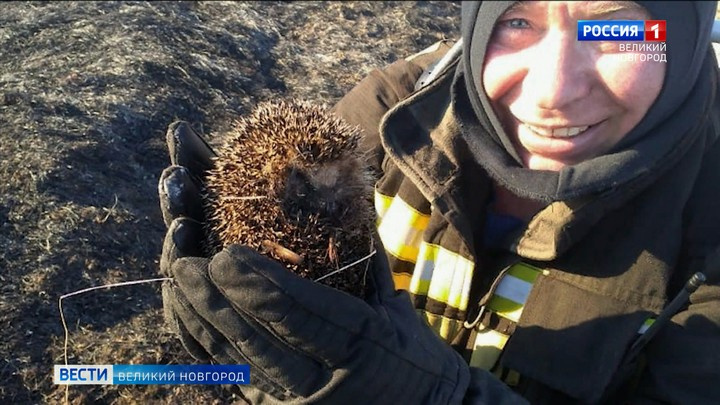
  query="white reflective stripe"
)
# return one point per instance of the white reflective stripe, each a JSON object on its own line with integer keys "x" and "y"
{"x": 442, "y": 278}
{"x": 422, "y": 274}
{"x": 404, "y": 214}
{"x": 426, "y": 261}
{"x": 451, "y": 279}
{"x": 465, "y": 291}
{"x": 397, "y": 238}
{"x": 514, "y": 289}
{"x": 399, "y": 232}
{"x": 462, "y": 278}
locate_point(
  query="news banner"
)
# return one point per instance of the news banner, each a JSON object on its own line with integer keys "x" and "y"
{"x": 145, "y": 374}
{"x": 642, "y": 36}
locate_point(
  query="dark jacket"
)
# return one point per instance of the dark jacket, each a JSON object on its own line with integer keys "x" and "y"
{"x": 606, "y": 263}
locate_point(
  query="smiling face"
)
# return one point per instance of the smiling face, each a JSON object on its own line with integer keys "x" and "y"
{"x": 563, "y": 101}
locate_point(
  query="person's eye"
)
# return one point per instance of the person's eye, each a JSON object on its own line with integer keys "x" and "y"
{"x": 516, "y": 23}
{"x": 514, "y": 33}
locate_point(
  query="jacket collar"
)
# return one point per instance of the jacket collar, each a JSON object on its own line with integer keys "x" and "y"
{"x": 422, "y": 137}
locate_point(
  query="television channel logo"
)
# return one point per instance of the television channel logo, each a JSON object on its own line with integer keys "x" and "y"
{"x": 622, "y": 30}
{"x": 151, "y": 374}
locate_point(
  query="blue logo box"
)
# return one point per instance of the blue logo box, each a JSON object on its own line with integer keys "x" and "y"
{"x": 611, "y": 30}
{"x": 145, "y": 374}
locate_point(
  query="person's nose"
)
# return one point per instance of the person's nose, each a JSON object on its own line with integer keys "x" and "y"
{"x": 560, "y": 73}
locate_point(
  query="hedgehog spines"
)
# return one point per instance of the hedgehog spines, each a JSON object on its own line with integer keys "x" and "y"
{"x": 323, "y": 209}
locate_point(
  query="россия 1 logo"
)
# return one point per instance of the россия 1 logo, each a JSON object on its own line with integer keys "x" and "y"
{"x": 621, "y": 30}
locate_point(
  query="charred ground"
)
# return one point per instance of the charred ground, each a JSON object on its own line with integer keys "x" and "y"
{"x": 86, "y": 93}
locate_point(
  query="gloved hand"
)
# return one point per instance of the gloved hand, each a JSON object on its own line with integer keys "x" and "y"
{"x": 179, "y": 191}
{"x": 305, "y": 342}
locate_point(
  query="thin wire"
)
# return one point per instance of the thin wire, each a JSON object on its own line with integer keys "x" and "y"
{"x": 346, "y": 267}
{"x": 84, "y": 290}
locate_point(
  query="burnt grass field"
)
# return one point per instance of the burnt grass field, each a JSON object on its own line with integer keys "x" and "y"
{"x": 86, "y": 93}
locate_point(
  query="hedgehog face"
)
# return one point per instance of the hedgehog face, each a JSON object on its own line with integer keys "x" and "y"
{"x": 324, "y": 191}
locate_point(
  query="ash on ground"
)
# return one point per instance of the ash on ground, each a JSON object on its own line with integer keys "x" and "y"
{"x": 86, "y": 92}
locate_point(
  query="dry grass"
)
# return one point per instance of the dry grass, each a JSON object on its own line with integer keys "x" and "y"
{"x": 86, "y": 91}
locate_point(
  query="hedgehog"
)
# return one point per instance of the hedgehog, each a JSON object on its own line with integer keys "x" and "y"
{"x": 290, "y": 182}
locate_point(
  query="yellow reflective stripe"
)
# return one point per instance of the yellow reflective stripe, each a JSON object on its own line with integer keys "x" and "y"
{"x": 401, "y": 280}
{"x": 401, "y": 229}
{"x": 524, "y": 272}
{"x": 451, "y": 279}
{"x": 506, "y": 308}
{"x": 445, "y": 327}
{"x": 442, "y": 275}
{"x": 399, "y": 250}
{"x": 382, "y": 203}
{"x": 487, "y": 348}
{"x": 419, "y": 286}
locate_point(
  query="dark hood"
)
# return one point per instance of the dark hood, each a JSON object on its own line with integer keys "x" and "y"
{"x": 683, "y": 111}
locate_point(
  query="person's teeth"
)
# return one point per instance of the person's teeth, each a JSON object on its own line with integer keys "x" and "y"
{"x": 540, "y": 131}
{"x": 558, "y": 132}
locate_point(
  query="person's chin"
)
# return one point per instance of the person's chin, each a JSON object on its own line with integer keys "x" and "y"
{"x": 537, "y": 162}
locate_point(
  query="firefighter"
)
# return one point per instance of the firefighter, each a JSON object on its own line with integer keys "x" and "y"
{"x": 542, "y": 200}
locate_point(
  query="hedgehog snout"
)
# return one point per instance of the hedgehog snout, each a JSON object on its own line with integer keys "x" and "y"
{"x": 301, "y": 195}
{"x": 330, "y": 207}
{"x": 296, "y": 184}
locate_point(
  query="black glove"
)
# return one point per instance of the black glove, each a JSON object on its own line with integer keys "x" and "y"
{"x": 179, "y": 191}
{"x": 305, "y": 342}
